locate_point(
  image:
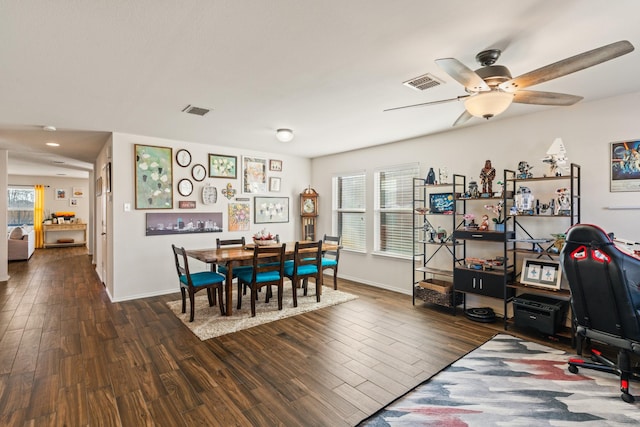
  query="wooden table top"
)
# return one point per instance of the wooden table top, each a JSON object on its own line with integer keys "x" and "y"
{"x": 238, "y": 253}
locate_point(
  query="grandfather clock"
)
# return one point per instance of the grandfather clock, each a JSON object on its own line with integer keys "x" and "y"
{"x": 309, "y": 213}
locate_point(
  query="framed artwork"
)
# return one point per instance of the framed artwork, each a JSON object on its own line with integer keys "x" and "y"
{"x": 625, "y": 166}
{"x": 99, "y": 186}
{"x": 271, "y": 209}
{"x": 441, "y": 203}
{"x": 73, "y": 202}
{"x": 154, "y": 177}
{"x": 159, "y": 224}
{"x": 239, "y": 216}
{"x": 541, "y": 273}
{"x": 61, "y": 194}
{"x": 275, "y": 165}
{"x": 186, "y": 204}
{"x": 254, "y": 176}
{"x": 77, "y": 192}
{"x": 223, "y": 166}
{"x": 274, "y": 184}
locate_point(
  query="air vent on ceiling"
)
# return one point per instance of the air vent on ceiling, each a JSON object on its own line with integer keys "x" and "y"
{"x": 198, "y": 111}
{"x": 423, "y": 82}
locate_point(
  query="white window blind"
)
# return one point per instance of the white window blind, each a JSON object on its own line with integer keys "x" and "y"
{"x": 20, "y": 203}
{"x": 349, "y": 210}
{"x": 393, "y": 205}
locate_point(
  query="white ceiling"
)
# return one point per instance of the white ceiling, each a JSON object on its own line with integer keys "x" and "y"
{"x": 327, "y": 69}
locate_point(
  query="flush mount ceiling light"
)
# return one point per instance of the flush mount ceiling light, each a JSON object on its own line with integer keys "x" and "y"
{"x": 53, "y": 144}
{"x": 49, "y": 128}
{"x": 284, "y": 135}
{"x": 488, "y": 104}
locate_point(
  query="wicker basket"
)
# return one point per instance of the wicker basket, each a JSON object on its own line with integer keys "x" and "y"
{"x": 264, "y": 242}
{"x": 438, "y": 293}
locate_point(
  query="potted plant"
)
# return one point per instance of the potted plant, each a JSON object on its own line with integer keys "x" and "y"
{"x": 500, "y": 220}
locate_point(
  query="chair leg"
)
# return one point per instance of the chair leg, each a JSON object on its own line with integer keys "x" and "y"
{"x": 335, "y": 278}
{"x": 184, "y": 299}
{"x": 221, "y": 301}
{"x": 192, "y": 303}
{"x": 294, "y": 289}
{"x": 318, "y": 287}
{"x": 305, "y": 285}
{"x": 254, "y": 295}
{"x": 211, "y": 293}
{"x": 239, "y": 305}
{"x": 280, "y": 292}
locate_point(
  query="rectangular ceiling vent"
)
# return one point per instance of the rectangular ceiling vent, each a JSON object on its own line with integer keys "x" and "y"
{"x": 423, "y": 82}
{"x": 198, "y": 111}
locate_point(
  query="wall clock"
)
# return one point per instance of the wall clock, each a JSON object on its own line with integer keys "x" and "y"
{"x": 185, "y": 187}
{"x": 209, "y": 194}
{"x": 198, "y": 172}
{"x": 309, "y": 202}
{"x": 183, "y": 158}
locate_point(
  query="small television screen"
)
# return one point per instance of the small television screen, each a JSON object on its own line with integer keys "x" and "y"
{"x": 441, "y": 203}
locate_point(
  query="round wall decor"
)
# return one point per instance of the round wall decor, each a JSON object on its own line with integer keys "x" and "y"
{"x": 198, "y": 172}
{"x": 183, "y": 158}
{"x": 185, "y": 187}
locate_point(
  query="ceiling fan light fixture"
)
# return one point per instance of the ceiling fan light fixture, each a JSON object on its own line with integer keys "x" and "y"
{"x": 284, "y": 135}
{"x": 488, "y": 104}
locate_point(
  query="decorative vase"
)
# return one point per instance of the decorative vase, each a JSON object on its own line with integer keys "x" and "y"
{"x": 499, "y": 227}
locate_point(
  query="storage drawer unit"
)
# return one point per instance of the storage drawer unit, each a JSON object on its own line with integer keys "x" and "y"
{"x": 481, "y": 283}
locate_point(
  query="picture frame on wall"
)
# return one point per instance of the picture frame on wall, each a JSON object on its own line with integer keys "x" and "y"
{"x": 270, "y": 209}
{"x": 108, "y": 177}
{"x": 625, "y": 166}
{"x": 541, "y": 273}
{"x": 77, "y": 192}
{"x": 254, "y": 175}
{"x": 239, "y": 216}
{"x": 274, "y": 184}
{"x": 275, "y": 165}
{"x": 221, "y": 166}
{"x": 61, "y": 194}
{"x": 99, "y": 186}
{"x": 153, "y": 177}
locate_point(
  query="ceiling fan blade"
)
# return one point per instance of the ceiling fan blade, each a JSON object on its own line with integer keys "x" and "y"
{"x": 462, "y": 118}
{"x": 545, "y": 98}
{"x": 463, "y": 74}
{"x": 568, "y": 65}
{"x": 442, "y": 101}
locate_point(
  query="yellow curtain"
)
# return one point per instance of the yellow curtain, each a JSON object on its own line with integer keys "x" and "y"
{"x": 38, "y": 215}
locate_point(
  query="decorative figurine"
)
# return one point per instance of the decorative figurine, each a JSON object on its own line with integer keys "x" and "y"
{"x": 524, "y": 170}
{"x": 487, "y": 174}
{"x": 443, "y": 175}
{"x": 525, "y": 201}
{"x": 431, "y": 177}
{"x": 442, "y": 234}
{"x": 431, "y": 232}
{"x": 484, "y": 225}
{"x": 556, "y": 157}
{"x": 563, "y": 201}
{"x": 473, "y": 190}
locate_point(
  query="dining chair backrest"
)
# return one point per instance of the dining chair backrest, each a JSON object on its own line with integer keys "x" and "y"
{"x": 182, "y": 264}
{"x": 307, "y": 258}
{"x": 268, "y": 259}
{"x": 230, "y": 242}
{"x": 332, "y": 240}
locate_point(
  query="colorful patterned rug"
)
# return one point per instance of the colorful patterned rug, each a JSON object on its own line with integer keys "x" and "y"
{"x": 508, "y": 381}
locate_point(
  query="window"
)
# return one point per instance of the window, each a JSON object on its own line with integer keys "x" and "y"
{"x": 349, "y": 210}
{"x": 393, "y": 206}
{"x": 20, "y": 205}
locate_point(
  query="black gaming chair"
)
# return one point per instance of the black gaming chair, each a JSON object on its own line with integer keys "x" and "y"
{"x": 605, "y": 299}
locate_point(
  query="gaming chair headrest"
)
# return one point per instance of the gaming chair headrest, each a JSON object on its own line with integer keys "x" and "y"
{"x": 588, "y": 234}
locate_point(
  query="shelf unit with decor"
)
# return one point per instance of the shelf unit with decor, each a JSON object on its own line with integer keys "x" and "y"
{"x": 434, "y": 219}
{"x": 534, "y": 228}
{"x": 481, "y": 276}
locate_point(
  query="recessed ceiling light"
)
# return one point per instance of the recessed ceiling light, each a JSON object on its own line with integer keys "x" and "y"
{"x": 49, "y": 128}
{"x": 53, "y": 144}
{"x": 61, "y": 174}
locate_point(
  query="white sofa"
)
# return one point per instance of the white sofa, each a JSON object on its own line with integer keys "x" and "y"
{"x": 21, "y": 245}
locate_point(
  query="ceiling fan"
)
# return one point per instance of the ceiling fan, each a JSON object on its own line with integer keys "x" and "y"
{"x": 491, "y": 89}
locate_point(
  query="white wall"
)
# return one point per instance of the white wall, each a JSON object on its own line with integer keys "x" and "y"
{"x": 586, "y": 129}
{"x": 143, "y": 266}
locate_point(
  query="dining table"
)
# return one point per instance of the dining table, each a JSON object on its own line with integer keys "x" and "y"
{"x": 238, "y": 255}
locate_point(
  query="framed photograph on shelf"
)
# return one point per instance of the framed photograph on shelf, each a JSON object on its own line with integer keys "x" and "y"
{"x": 154, "y": 177}
{"x": 625, "y": 166}
{"x": 541, "y": 273}
{"x": 221, "y": 166}
{"x": 254, "y": 175}
{"x": 274, "y": 184}
{"x": 275, "y": 165}
{"x": 270, "y": 209}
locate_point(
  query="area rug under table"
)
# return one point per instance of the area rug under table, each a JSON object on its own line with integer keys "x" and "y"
{"x": 208, "y": 323}
{"x": 508, "y": 381}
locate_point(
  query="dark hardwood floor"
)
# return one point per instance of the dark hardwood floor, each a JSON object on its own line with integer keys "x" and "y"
{"x": 68, "y": 356}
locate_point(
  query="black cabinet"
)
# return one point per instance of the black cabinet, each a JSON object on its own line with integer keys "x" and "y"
{"x": 490, "y": 284}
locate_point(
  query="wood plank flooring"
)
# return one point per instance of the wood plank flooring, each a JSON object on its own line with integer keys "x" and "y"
{"x": 68, "y": 356}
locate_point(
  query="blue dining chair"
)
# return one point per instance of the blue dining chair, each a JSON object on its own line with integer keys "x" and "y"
{"x": 194, "y": 282}
{"x": 263, "y": 274}
{"x": 330, "y": 258}
{"x": 222, "y": 269}
{"x": 306, "y": 264}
